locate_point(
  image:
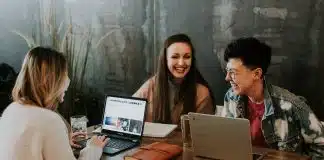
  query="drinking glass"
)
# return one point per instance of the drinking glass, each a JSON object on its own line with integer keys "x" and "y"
{"x": 79, "y": 124}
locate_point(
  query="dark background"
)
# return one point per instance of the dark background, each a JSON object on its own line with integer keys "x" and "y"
{"x": 137, "y": 28}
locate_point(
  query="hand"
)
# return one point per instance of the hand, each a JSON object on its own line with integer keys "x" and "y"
{"x": 99, "y": 141}
{"x": 76, "y": 135}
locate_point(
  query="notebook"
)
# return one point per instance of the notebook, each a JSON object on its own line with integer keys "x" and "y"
{"x": 157, "y": 130}
{"x": 156, "y": 151}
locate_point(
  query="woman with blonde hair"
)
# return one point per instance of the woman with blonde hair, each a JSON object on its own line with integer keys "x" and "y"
{"x": 30, "y": 127}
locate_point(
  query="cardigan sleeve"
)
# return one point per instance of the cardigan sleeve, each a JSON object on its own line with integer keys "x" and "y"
{"x": 56, "y": 144}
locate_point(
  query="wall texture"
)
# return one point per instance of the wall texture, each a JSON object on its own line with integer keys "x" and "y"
{"x": 131, "y": 34}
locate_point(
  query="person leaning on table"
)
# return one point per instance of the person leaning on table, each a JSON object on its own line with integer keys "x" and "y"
{"x": 278, "y": 118}
{"x": 177, "y": 87}
{"x": 30, "y": 127}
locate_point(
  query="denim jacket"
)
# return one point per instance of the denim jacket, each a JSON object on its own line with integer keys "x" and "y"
{"x": 288, "y": 123}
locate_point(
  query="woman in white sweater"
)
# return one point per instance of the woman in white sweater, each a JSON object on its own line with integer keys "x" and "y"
{"x": 29, "y": 127}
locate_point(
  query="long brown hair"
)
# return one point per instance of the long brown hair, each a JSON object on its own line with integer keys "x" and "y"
{"x": 188, "y": 89}
{"x": 41, "y": 79}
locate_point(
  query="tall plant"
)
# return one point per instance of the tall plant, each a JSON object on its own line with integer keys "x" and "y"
{"x": 62, "y": 37}
{"x": 74, "y": 41}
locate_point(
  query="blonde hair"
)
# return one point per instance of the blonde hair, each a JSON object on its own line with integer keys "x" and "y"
{"x": 41, "y": 80}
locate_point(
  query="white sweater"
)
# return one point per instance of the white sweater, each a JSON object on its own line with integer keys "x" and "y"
{"x": 34, "y": 133}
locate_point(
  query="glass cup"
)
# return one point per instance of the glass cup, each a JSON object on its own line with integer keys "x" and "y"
{"x": 79, "y": 124}
{"x": 185, "y": 129}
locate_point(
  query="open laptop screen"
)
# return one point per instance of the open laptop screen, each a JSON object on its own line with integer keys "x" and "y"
{"x": 124, "y": 115}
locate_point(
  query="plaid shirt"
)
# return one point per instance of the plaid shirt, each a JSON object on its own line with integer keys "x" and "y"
{"x": 288, "y": 123}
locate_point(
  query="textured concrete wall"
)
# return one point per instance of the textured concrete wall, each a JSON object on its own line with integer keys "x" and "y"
{"x": 128, "y": 56}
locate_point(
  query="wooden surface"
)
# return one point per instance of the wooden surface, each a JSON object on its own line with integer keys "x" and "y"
{"x": 175, "y": 138}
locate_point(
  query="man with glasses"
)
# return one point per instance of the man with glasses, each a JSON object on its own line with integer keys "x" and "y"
{"x": 278, "y": 118}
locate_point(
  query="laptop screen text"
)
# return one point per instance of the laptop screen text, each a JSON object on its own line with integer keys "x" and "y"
{"x": 124, "y": 115}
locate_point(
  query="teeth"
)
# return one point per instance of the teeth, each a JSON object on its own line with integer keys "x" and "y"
{"x": 180, "y": 69}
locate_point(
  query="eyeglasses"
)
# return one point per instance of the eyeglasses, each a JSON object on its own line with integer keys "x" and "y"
{"x": 233, "y": 74}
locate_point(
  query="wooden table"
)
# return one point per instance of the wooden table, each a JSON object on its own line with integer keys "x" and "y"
{"x": 175, "y": 138}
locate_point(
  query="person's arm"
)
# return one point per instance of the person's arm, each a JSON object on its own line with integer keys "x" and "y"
{"x": 56, "y": 144}
{"x": 312, "y": 130}
{"x": 143, "y": 91}
{"x": 146, "y": 91}
{"x": 72, "y": 136}
{"x": 204, "y": 101}
{"x": 206, "y": 106}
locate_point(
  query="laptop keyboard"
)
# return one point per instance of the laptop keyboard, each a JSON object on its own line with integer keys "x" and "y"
{"x": 118, "y": 144}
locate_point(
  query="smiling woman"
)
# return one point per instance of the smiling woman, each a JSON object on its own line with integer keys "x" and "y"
{"x": 179, "y": 60}
{"x": 178, "y": 87}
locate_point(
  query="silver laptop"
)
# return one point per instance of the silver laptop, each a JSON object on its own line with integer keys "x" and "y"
{"x": 221, "y": 138}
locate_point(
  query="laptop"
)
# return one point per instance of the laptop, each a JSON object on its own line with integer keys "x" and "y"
{"x": 123, "y": 122}
{"x": 223, "y": 138}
